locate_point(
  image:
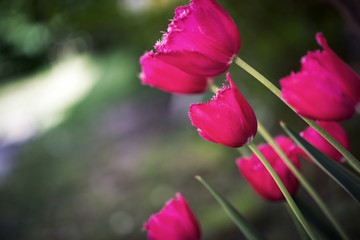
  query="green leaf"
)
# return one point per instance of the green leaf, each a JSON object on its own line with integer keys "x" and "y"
{"x": 342, "y": 176}
{"x": 249, "y": 231}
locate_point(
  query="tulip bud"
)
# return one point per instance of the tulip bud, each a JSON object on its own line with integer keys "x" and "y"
{"x": 258, "y": 176}
{"x": 201, "y": 42}
{"x": 202, "y": 39}
{"x": 227, "y": 119}
{"x": 325, "y": 89}
{"x": 175, "y": 221}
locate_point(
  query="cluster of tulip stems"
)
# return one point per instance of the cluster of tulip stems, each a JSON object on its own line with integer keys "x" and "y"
{"x": 201, "y": 42}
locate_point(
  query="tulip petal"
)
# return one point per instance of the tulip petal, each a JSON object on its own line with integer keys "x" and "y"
{"x": 346, "y": 77}
{"x": 260, "y": 179}
{"x": 318, "y": 141}
{"x": 204, "y": 27}
{"x": 193, "y": 62}
{"x": 168, "y": 78}
{"x": 314, "y": 96}
{"x": 213, "y": 118}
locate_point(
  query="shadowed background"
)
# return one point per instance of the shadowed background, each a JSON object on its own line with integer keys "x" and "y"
{"x": 87, "y": 152}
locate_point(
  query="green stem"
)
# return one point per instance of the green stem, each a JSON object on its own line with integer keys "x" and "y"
{"x": 265, "y": 134}
{"x": 300, "y": 229}
{"x": 214, "y": 88}
{"x": 284, "y": 191}
{"x": 238, "y": 61}
{"x": 351, "y": 159}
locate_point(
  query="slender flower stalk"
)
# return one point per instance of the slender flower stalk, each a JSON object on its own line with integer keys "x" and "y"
{"x": 283, "y": 189}
{"x": 351, "y": 159}
{"x": 241, "y": 63}
{"x": 265, "y": 134}
{"x": 300, "y": 229}
{"x": 214, "y": 88}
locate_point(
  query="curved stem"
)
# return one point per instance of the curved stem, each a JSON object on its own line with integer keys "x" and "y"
{"x": 284, "y": 191}
{"x": 265, "y": 134}
{"x": 351, "y": 159}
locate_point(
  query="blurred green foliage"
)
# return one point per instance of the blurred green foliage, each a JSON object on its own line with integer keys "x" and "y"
{"x": 123, "y": 151}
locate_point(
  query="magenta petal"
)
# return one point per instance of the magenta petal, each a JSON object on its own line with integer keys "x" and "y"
{"x": 260, "y": 179}
{"x": 168, "y": 78}
{"x": 314, "y": 96}
{"x": 175, "y": 221}
{"x": 194, "y": 63}
{"x": 336, "y": 131}
{"x": 228, "y": 119}
{"x": 325, "y": 88}
{"x": 204, "y": 27}
{"x": 347, "y": 79}
{"x": 217, "y": 127}
{"x": 206, "y": 137}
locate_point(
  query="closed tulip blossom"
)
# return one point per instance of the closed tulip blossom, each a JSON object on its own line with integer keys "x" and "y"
{"x": 227, "y": 119}
{"x": 325, "y": 88}
{"x": 336, "y": 131}
{"x": 201, "y": 42}
{"x": 175, "y": 221}
{"x": 260, "y": 179}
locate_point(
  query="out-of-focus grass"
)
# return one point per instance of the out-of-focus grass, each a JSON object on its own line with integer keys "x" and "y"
{"x": 50, "y": 171}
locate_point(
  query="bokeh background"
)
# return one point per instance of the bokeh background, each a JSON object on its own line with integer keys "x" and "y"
{"x": 87, "y": 152}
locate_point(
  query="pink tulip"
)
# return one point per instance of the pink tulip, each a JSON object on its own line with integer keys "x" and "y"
{"x": 175, "y": 221}
{"x": 336, "y": 131}
{"x": 325, "y": 88}
{"x": 227, "y": 119}
{"x": 260, "y": 179}
{"x": 201, "y": 42}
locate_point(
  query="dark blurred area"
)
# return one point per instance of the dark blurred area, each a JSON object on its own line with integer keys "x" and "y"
{"x": 87, "y": 152}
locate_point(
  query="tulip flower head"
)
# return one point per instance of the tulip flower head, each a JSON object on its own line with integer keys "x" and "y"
{"x": 336, "y": 131}
{"x": 260, "y": 179}
{"x": 227, "y": 119}
{"x": 326, "y": 88}
{"x": 201, "y": 42}
{"x": 175, "y": 221}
